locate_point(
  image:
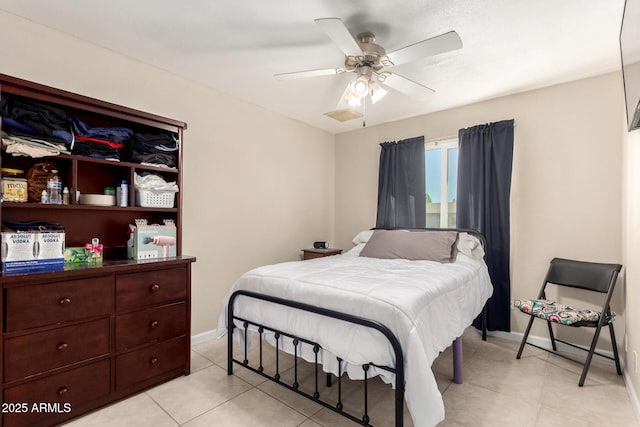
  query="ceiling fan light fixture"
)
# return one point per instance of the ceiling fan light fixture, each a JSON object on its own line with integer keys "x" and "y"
{"x": 353, "y": 100}
{"x": 368, "y": 61}
{"x": 377, "y": 92}
{"x": 360, "y": 87}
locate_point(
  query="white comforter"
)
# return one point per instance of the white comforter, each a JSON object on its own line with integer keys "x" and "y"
{"x": 425, "y": 304}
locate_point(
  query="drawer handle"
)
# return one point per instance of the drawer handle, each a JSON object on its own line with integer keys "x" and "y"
{"x": 153, "y": 360}
{"x": 154, "y": 288}
{"x": 62, "y": 390}
{"x": 154, "y": 324}
{"x": 65, "y": 301}
{"x": 63, "y": 346}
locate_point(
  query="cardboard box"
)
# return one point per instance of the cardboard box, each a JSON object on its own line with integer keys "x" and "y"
{"x": 153, "y": 240}
{"x": 32, "y": 251}
{"x": 50, "y": 245}
{"x": 82, "y": 254}
{"x": 33, "y": 266}
{"x": 18, "y": 246}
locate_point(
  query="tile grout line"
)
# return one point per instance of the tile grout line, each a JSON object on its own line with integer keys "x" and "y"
{"x": 162, "y": 408}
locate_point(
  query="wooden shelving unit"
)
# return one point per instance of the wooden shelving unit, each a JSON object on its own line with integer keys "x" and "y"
{"x": 85, "y": 336}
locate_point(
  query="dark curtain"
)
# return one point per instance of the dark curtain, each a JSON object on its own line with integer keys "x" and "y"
{"x": 485, "y": 154}
{"x": 401, "y": 184}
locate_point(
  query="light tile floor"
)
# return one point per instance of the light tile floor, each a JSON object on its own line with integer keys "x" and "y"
{"x": 498, "y": 390}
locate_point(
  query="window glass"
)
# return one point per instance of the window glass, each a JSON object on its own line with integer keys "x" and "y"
{"x": 452, "y": 185}
{"x": 441, "y": 181}
{"x": 433, "y": 185}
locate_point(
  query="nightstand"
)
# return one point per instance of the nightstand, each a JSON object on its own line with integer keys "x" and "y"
{"x": 319, "y": 253}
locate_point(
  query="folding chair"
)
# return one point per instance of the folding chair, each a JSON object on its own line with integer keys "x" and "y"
{"x": 576, "y": 274}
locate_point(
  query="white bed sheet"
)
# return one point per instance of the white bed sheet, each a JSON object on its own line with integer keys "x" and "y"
{"x": 425, "y": 304}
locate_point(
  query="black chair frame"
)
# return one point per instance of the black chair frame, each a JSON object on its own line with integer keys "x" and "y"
{"x": 590, "y": 276}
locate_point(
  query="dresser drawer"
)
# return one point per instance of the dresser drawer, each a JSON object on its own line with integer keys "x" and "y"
{"x": 52, "y": 303}
{"x": 150, "y": 325}
{"x": 30, "y": 354}
{"x": 150, "y": 361}
{"x": 62, "y": 391}
{"x": 148, "y": 288}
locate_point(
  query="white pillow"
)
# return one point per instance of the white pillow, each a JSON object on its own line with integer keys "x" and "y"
{"x": 362, "y": 237}
{"x": 470, "y": 246}
{"x": 355, "y": 251}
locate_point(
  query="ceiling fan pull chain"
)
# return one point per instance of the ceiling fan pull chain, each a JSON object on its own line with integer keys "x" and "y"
{"x": 364, "y": 113}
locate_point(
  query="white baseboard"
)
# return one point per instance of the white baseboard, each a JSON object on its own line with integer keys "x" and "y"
{"x": 545, "y": 342}
{"x": 633, "y": 397}
{"x": 513, "y": 336}
{"x": 204, "y": 337}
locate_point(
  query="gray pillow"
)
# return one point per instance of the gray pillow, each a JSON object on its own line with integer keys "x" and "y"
{"x": 412, "y": 245}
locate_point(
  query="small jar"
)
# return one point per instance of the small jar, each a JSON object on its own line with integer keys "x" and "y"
{"x": 14, "y": 187}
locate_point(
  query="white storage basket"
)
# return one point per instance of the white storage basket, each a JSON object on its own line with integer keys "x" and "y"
{"x": 154, "y": 198}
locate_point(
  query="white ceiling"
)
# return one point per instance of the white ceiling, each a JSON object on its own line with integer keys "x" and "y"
{"x": 236, "y": 46}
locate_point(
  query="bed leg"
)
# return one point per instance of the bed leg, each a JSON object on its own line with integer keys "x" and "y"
{"x": 329, "y": 380}
{"x": 484, "y": 323}
{"x": 457, "y": 360}
{"x": 230, "y": 351}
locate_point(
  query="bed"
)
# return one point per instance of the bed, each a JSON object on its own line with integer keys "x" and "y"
{"x": 377, "y": 310}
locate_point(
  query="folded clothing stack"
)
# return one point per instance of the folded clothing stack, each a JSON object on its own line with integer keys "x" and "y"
{"x": 30, "y": 127}
{"x": 37, "y": 129}
{"x": 99, "y": 142}
{"x": 31, "y": 226}
{"x": 158, "y": 149}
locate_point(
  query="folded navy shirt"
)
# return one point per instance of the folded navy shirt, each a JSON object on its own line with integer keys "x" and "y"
{"x": 119, "y": 135}
{"x": 15, "y": 127}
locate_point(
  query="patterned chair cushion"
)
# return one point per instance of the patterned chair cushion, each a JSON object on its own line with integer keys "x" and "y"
{"x": 558, "y": 313}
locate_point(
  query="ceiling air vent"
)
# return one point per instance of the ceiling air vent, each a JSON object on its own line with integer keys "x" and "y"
{"x": 343, "y": 115}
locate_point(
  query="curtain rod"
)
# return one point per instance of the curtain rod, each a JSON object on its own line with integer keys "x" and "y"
{"x": 444, "y": 138}
{"x": 440, "y": 138}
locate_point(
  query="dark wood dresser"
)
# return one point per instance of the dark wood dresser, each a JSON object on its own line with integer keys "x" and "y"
{"x": 78, "y": 339}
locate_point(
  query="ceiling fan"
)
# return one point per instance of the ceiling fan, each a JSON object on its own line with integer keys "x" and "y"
{"x": 368, "y": 60}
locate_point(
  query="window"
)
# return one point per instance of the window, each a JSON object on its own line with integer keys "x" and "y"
{"x": 441, "y": 182}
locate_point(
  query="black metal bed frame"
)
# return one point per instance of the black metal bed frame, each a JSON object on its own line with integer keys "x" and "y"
{"x": 337, "y": 407}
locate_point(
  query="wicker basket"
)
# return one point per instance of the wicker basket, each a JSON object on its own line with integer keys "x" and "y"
{"x": 154, "y": 198}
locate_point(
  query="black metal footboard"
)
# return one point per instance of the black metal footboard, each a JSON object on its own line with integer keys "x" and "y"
{"x": 337, "y": 406}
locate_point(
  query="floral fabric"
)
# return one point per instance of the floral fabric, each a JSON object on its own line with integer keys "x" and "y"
{"x": 558, "y": 313}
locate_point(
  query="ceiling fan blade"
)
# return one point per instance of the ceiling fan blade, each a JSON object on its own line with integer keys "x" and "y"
{"x": 408, "y": 87}
{"x": 337, "y": 32}
{"x": 439, "y": 44}
{"x": 310, "y": 73}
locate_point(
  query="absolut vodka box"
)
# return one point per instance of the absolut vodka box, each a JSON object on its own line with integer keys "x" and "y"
{"x": 29, "y": 251}
{"x": 18, "y": 247}
{"x": 50, "y": 245}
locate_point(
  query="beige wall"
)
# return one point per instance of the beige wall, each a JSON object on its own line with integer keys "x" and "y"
{"x": 631, "y": 253}
{"x": 250, "y": 194}
{"x": 566, "y": 192}
{"x": 251, "y": 197}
